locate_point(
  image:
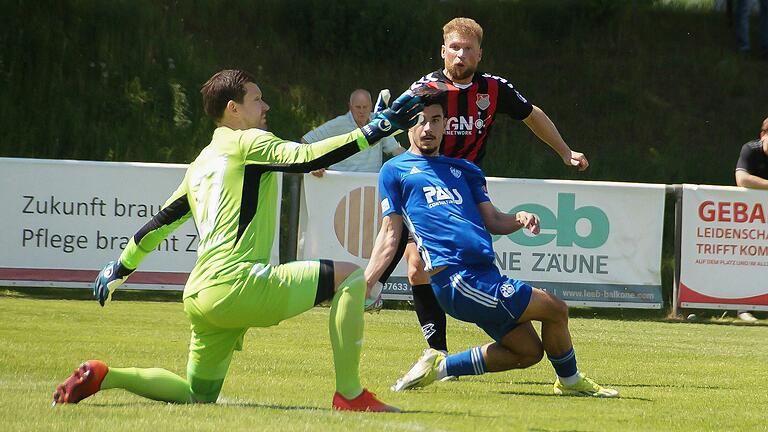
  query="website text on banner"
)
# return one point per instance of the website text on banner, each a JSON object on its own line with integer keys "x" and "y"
{"x": 600, "y": 242}
{"x": 62, "y": 220}
{"x": 724, "y": 248}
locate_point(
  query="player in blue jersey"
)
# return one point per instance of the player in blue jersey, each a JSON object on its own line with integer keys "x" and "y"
{"x": 445, "y": 205}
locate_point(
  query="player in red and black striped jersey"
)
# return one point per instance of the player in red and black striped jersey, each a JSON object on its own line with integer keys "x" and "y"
{"x": 472, "y": 109}
{"x": 474, "y": 100}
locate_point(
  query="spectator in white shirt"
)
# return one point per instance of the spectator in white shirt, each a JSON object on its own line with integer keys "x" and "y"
{"x": 359, "y": 115}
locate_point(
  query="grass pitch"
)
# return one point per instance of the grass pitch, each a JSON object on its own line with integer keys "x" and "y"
{"x": 672, "y": 376}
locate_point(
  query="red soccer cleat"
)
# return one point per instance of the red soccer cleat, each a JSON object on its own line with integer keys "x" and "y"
{"x": 365, "y": 402}
{"x": 84, "y": 381}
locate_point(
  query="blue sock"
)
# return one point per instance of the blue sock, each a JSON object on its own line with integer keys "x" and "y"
{"x": 565, "y": 366}
{"x": 469, "y": 362}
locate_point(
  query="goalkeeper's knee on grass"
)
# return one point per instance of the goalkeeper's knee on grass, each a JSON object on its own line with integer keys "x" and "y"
{"x": 205, "y": 391}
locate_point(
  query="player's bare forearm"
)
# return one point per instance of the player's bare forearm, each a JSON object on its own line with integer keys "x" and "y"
{"x": 541, "y": 125}
{"x": 504, "y": 224}
{"x": 747, "y": 180}
{"x": 500, "y": 223}
{"x": 497, "y": 222}
{"x": 385, "y": 248}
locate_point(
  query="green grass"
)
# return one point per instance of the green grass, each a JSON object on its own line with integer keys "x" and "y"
{"x": 672, "y": 376}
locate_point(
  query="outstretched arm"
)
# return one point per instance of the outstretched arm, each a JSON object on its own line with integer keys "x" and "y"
{"x": 541, "y": 125}
{"x": 503, "y": 223}
{"x": 385, "y": 248}
{"x": 175, "y": 212}
{"x": 274, "y": 154}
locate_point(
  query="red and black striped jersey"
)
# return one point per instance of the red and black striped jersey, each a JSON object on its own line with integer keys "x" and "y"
{"x": 472, "y": 110}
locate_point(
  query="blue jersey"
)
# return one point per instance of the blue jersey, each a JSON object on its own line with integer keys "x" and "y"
{"x": 437, "y": 197}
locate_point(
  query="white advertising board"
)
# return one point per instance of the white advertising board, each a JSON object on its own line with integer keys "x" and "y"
{"x": 600, "y": 242}
{"x": 63, "y": 220}
{"x": 724, "y": 248}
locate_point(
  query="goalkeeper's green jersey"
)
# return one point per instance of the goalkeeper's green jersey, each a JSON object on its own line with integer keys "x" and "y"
{"x": 230, "y": 191}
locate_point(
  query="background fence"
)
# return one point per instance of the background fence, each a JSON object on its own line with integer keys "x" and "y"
{"x": 601, "y": 242}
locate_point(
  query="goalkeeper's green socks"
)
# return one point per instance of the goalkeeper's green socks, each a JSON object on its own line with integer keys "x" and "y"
{"x": 155, "y": 383}
{"x": 346, "y": 328}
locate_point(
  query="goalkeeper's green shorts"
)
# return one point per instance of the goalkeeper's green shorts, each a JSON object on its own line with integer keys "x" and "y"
{"x": 262, "y": 297}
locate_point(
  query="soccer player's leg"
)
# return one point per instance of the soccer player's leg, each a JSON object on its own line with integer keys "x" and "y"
{"x": 431, "y": 316}
{"x": 151, "y": 383}
{"x": 475, "y": 295}
{"x": 155, "y": 383}
{"x": 346, "y": 330}
{"x": 556, "y": 339}
{"x": 431, "y": 365}
{"x": 94, "y": 376}
{"x": 210, "y": 354}
{"x": 520, "y": 348}
{"x": 278, "y": 293}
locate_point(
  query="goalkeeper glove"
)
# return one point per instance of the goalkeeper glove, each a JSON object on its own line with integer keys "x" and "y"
{"x": 401, "y": 116}
{"x": 110, "y": 277}
{"x": 382, "y": 102}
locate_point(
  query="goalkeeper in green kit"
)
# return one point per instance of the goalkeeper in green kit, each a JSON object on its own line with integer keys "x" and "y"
{"x": 230, "y": 191}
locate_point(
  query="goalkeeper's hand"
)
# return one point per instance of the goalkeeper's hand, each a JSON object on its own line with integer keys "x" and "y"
{"x": 401, "y": 116}
{"x": 382, "y": 101}
{"x": 110, "y": 277}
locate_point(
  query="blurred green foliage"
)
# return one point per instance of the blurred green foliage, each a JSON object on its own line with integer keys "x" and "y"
{"x": 649, "y": 92}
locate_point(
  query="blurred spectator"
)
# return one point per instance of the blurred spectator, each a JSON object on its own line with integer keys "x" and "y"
{"x": 721, "y": 5}
{"x": 741, "y": 23}
{"x": 752, "y": 172}
{"x": 727, "y": 6}
{"x": 359, "y": 115}
{"x": 752, "y": 167}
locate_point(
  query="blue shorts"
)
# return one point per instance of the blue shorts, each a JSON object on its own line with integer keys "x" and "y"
{"x": 483, "y": 296}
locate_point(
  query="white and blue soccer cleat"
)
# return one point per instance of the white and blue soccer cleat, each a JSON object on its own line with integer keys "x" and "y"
{"x": 423, "y": 373}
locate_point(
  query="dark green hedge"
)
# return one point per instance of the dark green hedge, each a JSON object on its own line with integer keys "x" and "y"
{"x": 649, "y": 93}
